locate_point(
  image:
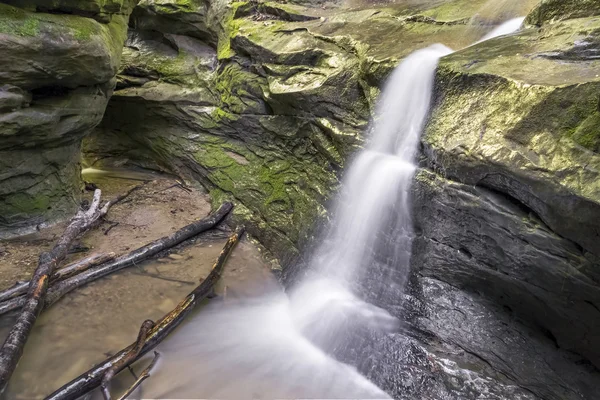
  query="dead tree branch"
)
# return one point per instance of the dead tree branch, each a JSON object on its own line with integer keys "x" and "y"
{"x": 63, "y": 273}
{"x": 143, "y": 376}
{"x": 91, "y": 379}
{"x": 133, "y": 353}
{"x": 63, "y": 287}
{"x": 34, "y": 300}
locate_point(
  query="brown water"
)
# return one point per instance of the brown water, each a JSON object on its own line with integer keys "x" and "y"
{"x": 101, "y": 318}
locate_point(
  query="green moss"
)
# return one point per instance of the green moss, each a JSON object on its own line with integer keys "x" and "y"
{"x": 14, "y": 21}
{"x": 177, "y": 6}
{"x": 588, "y": 133}
{"x": 219, "y": 115}
{"x": 555, "y": 10}
{"x": 169, "y": 67}
{"x": 29, "y": 203}
{"x": 229, "y": 26}
{"x": 240, "y": 91}
{"x": 179, "y": 70}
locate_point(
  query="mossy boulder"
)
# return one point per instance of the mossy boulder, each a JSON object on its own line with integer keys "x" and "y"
{"x": 57, "y": 72}
{"x": 549, "y": 11}
{"x": 57, "y": 50}
{"x": 531, "y": 134}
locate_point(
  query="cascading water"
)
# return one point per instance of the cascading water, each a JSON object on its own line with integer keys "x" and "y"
{"x": 504, "y": 29}
{"x": 372, "y": 230}
{"x": 279, "y": 345}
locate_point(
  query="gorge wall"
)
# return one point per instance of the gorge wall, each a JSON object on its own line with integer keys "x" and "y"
{"x": 57, "y": 72}
{"x": 264, "y": 103}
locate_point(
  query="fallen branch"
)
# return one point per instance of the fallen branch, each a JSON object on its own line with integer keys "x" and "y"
{"x": 34, "y": 300}
{"x": 72, "y": 269}
{"x": 63, "y": 287}
{"x": 91, "y": 379}
{"x": 133, "y": 353}
{"x": 143, "y": 376}
{"x": 110, "y": 228}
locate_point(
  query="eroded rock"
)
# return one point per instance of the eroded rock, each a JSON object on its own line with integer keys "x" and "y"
{"x": 57, "y": 72}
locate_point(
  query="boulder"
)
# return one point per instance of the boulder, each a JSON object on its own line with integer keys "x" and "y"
{"x": 57, "y": 73}
{"x": 522, "y": 146}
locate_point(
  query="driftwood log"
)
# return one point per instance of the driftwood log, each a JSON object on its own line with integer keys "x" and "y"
{"x": 63, "y": 273}
{"x": 91, "y": 379}
{"x": 34, "y": 299}
{"x": 61, "y": 288}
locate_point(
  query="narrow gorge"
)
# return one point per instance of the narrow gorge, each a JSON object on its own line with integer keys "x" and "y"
{"x": 433, "y": 217}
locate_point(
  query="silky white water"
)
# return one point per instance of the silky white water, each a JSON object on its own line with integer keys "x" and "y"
{"x": 504, "y": 29}
{"x": 282, "y": 345}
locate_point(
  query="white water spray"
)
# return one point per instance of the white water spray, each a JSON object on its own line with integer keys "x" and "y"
{"x": 278, "y": 345}
{"x": 504, "y": 29}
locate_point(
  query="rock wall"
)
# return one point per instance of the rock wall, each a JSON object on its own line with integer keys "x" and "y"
{"x": 532, "y": 140}
{"x": 58, "y": 61}
{"x": 260, "y": 101}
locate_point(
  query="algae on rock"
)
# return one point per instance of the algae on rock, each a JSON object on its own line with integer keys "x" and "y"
{"x": 57, "y": 73}
{"x": 285, "y": 90}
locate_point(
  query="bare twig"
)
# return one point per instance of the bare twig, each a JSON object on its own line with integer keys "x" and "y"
{"x": 143, "y": 376}
{"x": 113, "y": 225}
{"x": 164, "y": 278}
{"x": 91, "y": 379}
{"x": 131, "y": 356}
{"x": 180, "y": 185}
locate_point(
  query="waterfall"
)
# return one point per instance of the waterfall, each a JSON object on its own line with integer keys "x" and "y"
{"x": 371, "y": 233}
{"x": 280, "y": 345}
{"x": 504, "y": 29}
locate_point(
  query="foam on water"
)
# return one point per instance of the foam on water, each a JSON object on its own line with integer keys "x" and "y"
{"x": 279, "y": 345}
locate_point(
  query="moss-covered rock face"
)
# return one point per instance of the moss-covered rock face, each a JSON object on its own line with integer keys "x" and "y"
{"x": 549, "y": 11}
{"x": 57, "y": 72}
{"x": 262, "y": 102}
{"x": 182, "y": 17}
{"x": 530, "y": 134}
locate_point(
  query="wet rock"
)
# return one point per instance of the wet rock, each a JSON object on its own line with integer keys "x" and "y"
{"x": 532, "y": 136}
{"x": 521, "y": 227}
{"x": 549, "y": 11}
{"x": 57, "y": 72}
{"x": 481, "y": 242}
{"x": 260, "y": 102}
{"x": 183, "y": 17}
